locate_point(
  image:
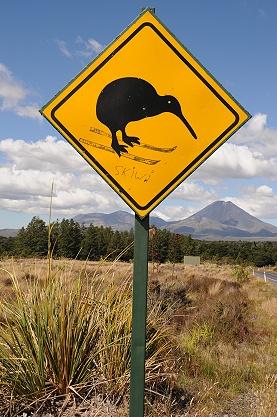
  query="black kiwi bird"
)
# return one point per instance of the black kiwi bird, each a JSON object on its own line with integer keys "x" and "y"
{"x": 128, "y": 99}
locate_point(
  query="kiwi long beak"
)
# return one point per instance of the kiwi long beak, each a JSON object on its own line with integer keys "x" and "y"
{"x": 188, "y": 126}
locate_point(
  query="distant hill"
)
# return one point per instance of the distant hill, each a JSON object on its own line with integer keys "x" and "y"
{"x": 218, "y": 221}
{"x": 8, "y": 232}
{"x": 224, "y": 220}
{"x": 119, "y": 220}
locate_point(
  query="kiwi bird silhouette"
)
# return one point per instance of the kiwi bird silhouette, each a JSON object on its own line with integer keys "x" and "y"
{"x": 129, "y": 99}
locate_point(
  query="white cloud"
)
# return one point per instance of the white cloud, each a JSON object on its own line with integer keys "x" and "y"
{"x": 13, "y": 95}
{"x": 63, "y": 48}
{"x": 190, "y": 192}
{"x": 264, "y": 190}
{"x": 30, "y": 169}
{"x": 257, "y": 123}
{"x": 85, "y": 47}
{"x": 258, "y": 137}
{"x": 171, "y": 212}
{"x": 251, "y": 153}
{"x": 48, "y": 154}
{"x": 20, "y": 184}
{"x": 11, "y": 92}
{"x": 259, "y": 201}
{"x": 233, "y": 161}
{"x": 88, "y": 47}
{"x": 193, "y": 192}
{"x": 28, "y": 111}
{"x": 94, "y": 45}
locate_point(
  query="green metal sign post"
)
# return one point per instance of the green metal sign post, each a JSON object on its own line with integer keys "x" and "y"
{"x": 138, "y": 346}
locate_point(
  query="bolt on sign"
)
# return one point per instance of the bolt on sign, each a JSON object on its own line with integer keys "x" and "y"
{"x": 145, "y": 113}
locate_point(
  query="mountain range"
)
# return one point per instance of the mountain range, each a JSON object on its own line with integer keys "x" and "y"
{"x": 218, "y": 221}
{"x": 8, "y": 232}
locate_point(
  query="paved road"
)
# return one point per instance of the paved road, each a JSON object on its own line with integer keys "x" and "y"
{"x": 270, "y": 276}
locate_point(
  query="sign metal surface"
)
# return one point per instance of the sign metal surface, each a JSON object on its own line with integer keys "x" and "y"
{"x": 145, "y": 114}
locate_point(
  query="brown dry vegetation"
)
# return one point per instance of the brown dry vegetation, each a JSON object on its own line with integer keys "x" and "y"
{"x": 220, "y": 337}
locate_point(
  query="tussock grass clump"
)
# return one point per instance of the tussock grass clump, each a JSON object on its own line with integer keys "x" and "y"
{"x": 70, "y": 335}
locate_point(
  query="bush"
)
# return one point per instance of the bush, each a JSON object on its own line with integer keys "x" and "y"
{"x": 66, "y": 335}
{"x": 241, "y": 274}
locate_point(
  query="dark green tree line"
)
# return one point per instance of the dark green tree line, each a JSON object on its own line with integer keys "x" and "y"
{"x": 68, "y": 239}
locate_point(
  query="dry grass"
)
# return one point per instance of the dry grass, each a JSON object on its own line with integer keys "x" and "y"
{"x": 69, "y": 335}
{"x": 224, "y": 332}
{"x": 227, "y": 331}
{"x": 266, "y": 405}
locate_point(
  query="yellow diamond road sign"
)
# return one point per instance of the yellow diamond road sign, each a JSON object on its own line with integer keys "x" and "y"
{"x": 145, "y": 114}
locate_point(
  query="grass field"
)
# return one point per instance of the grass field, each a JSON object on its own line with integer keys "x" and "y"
{"x": 65, "y": 340}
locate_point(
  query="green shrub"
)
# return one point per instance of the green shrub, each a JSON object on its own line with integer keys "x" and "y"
{"x": 67, "y": 335}
{"x": 199, "y": 336}
{"x": 241, "y": 274}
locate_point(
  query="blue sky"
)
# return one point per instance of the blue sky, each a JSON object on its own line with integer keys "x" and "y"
{"x": 44, "y": 45}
